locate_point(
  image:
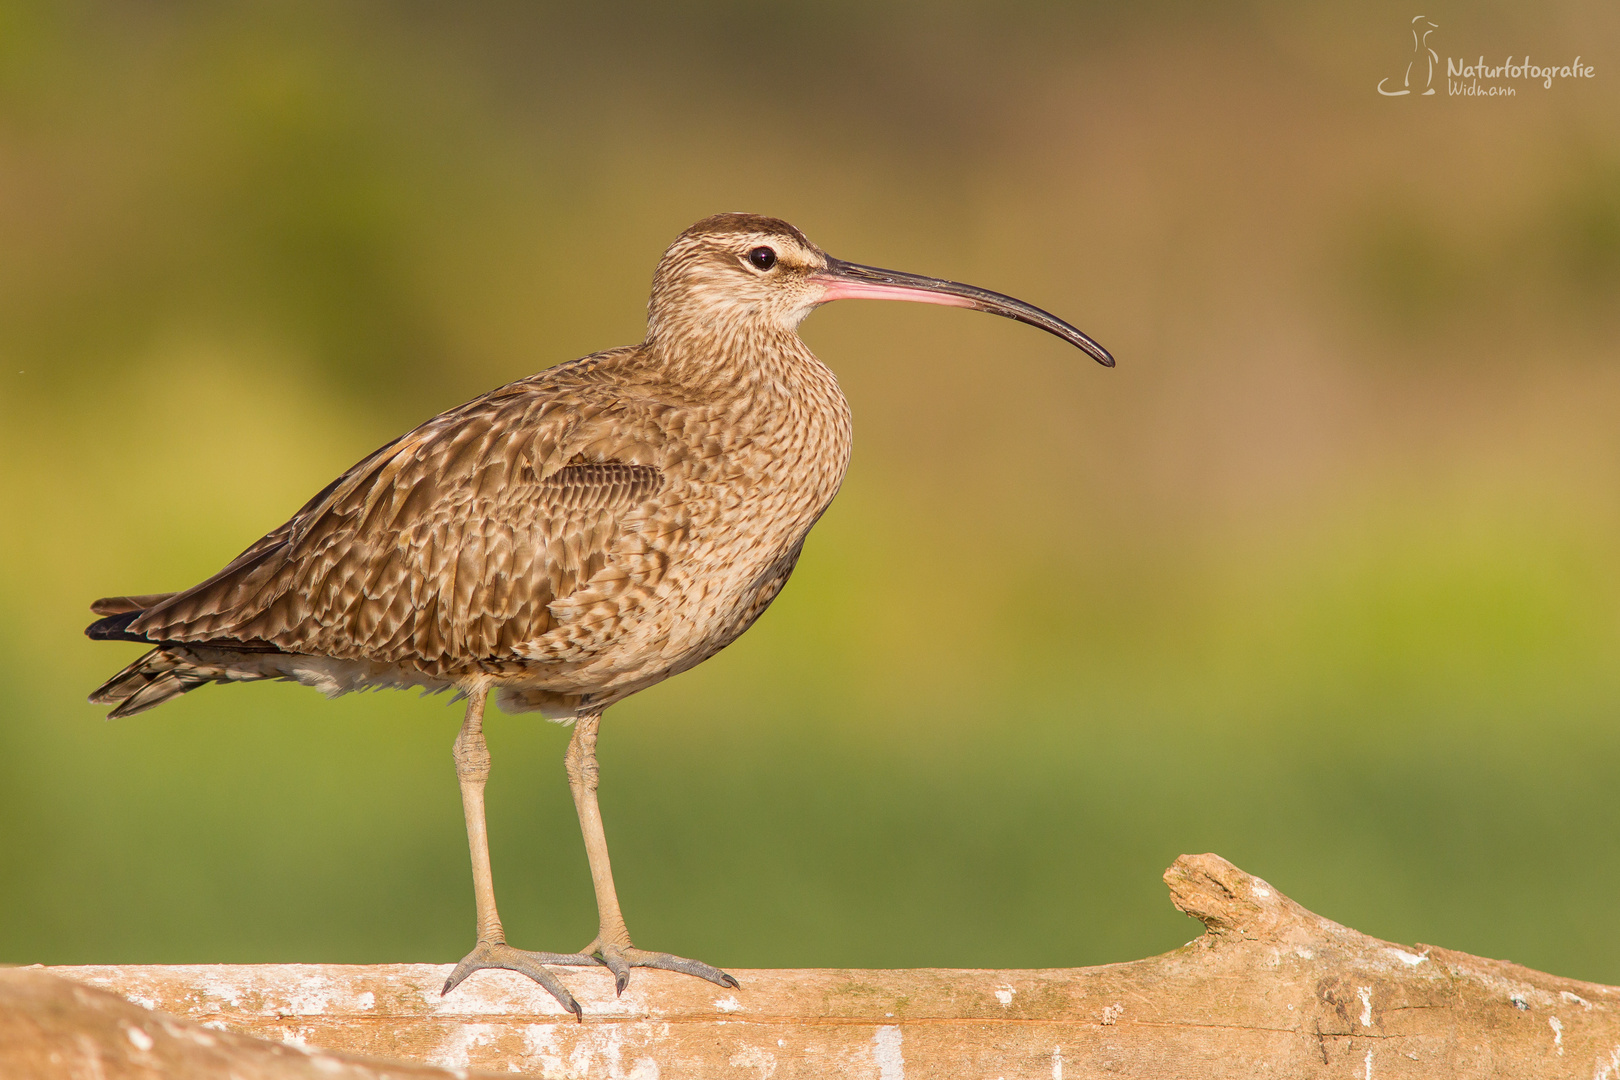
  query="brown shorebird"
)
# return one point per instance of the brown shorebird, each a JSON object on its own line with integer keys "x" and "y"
{"x": 564, "y": 541}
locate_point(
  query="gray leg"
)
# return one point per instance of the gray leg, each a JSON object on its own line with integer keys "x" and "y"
{"x": 612, "y": 943}
{"x": 492, "y": 951}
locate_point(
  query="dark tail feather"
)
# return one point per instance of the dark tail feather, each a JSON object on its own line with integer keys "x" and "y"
{"x": 119, "y": 612}
{"x": 149, "y": 682}
{"x": 114, "y": 628}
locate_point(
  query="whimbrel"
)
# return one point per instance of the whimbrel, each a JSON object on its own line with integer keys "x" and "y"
{"x": 564, "y": 541}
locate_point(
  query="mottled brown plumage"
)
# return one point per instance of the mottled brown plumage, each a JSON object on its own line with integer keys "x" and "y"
{"x": 565, "y": 540}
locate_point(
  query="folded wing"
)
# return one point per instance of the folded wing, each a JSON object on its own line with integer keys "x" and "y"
{"x": 443, "y": 550}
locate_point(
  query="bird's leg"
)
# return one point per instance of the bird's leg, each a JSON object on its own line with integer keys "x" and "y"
{"x": 492, "y": 951}
{"x": 612, "y": 943}
{"x": 471, "y": 754}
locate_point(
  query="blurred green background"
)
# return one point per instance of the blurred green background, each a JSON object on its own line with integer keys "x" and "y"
{"x": 1325, "y": 577}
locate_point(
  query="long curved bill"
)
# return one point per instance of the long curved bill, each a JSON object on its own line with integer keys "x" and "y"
{"x": 848, "y": 281}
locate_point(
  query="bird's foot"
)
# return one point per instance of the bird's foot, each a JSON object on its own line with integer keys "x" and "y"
{"x": 619, "y": 959}
{"x": 498, "y": 954}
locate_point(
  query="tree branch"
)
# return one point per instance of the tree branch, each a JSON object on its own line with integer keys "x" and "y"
{"x": 1269, "y": 989}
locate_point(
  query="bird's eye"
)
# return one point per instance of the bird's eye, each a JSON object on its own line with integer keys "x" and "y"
{"x": 762, "y": 257}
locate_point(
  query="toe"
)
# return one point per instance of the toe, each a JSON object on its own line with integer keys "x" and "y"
{"x": 614, "y": 960}
{"x": 666, "y": 962}
{"x": 463, "y": 969}
{"x": 500, "y": 955}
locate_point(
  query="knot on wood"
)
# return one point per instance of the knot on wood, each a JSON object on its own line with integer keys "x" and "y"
{"x": 1230, "y": 902}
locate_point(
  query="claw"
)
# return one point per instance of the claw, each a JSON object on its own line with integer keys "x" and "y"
{"x": 612, "y": 958}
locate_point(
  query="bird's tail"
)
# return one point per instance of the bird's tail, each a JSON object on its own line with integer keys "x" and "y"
{"x": 150, "y": 681}
{"x": 172, "y": 668}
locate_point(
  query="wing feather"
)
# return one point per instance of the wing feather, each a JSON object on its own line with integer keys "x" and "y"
{"x": 446, "y": 548}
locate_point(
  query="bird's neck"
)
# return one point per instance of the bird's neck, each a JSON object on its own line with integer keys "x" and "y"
{"x": 782, "y": 410}
{"x": 740, "y": 362}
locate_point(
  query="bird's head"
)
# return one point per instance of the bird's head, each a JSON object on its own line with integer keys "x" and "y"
{"x": 760, "y": 273}
{"x": 735, "y": 268}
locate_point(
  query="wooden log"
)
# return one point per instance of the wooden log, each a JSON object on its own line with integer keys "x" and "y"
{"x": 54, "y": 1028}
{"x": 1269, "y": 989}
